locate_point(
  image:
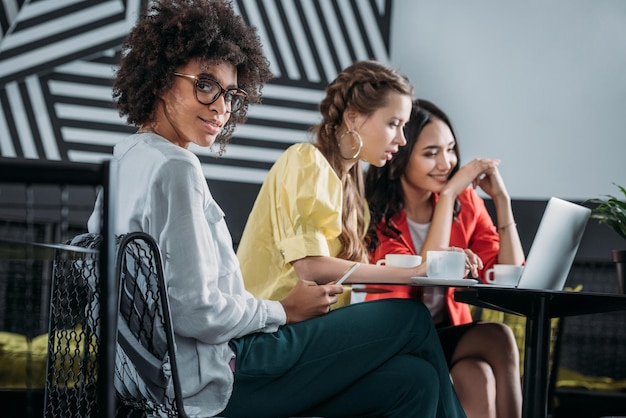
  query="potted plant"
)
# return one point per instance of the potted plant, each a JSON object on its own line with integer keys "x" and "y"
{"x": 612, "y": 211}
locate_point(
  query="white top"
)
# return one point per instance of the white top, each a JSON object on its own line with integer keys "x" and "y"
{"x": 434, "y": 297}
{"x": 163, "y": 191}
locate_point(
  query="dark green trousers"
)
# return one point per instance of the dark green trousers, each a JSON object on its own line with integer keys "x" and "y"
{"x": 380, "y": 359}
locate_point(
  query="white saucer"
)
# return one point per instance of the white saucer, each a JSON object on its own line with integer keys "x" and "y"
{"x": 443, "y": 281}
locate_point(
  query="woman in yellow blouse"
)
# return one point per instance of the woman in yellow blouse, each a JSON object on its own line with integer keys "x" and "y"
{"x": 307, "y": 228}
{"x": 309, "y": 219}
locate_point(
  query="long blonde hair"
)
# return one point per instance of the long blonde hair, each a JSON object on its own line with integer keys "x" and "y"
{"x": 365, "y": 87}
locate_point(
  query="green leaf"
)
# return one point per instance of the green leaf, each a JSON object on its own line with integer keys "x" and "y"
{"x": 611, "y": 211}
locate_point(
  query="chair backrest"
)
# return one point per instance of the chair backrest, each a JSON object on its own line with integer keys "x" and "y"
{"x": 74, "y": 330}
{"x": 97, "y": 344}
{"x": 146, "y": 372}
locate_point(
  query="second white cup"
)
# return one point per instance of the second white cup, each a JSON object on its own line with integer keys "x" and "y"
{"x": 445, "y": 264}
{"x": 400, "y": 260}
{"x": 506, "y": 274}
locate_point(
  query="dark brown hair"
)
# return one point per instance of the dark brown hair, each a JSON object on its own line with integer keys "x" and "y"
{"x": 171, "y": 34}
{"x": 383, "y": 186}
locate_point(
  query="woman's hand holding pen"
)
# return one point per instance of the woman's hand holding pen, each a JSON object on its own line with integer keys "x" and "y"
{"x": 308, "y": 299}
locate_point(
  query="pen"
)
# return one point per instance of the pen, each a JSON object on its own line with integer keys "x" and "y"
{"x": 348, "y": 273}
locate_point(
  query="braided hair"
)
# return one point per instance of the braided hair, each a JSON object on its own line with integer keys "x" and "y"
{"x": 364, "y": 86}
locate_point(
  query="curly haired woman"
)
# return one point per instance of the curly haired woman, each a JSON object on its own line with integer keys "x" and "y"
{"x": 189, "y": 70}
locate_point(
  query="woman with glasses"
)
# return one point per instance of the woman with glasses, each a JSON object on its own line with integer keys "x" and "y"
{"x": 189, "y": 69}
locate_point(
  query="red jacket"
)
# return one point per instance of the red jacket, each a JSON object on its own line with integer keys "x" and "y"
{"x": 474, "y": 230}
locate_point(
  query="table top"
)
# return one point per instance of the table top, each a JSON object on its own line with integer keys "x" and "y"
{"x": 22, "y": 250}
{"x": 524, "y": 302}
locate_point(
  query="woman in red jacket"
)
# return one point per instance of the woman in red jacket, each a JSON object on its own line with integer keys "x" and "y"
{"x": 422, "y": 200}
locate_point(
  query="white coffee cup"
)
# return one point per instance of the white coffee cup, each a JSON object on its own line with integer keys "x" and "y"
{"x": 506, "y": 274}
{"x": 445, "y": 264}
{"x": 400, "y": 260}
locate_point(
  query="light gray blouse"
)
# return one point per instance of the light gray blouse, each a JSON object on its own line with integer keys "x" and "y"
{"x": 163, "y": 191}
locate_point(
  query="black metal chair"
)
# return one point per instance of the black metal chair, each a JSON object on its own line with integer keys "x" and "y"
{"x": 74, "y": 332}
{"x": 147, "y": 383}
{"x": 87, "y": 333}
{"x": 146, "y": 375}
{"x": 146, "y": 372}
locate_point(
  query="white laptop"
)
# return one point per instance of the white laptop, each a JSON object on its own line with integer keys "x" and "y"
{"x": 555, "y": 245}
{"x": 552, "y": 252}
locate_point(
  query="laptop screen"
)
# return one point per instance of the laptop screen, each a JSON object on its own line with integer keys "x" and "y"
{"x": 555, "y": 245}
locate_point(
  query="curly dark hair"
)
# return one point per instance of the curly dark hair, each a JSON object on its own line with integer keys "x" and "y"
{"x": 169, "y": 35}
{"x": 364, "y": 86}
{"x": 383, "y": 185}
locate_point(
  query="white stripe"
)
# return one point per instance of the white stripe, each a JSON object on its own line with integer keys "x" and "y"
{"x": 6, "y": 145}
{"x": 296, "y": 94}
{"x": 280, "y": 37}
{"x": 61, "y": 24}
{"x": 303, "y": 47}
{"x": 307, "y": 117}
{"x": 11, "y": 9}
{"x": 254, "y": 18}
{"x": 88, "y": 114}
{"x": 46, "y": 133}
{"x": 91, "y": 136}
{"x": 87, "y": 157}
{"x": 375, "y": 37}
{"x": 89, "y": 69}
{"x": 85, "y": 91}
{"x": 53, "y": 51}
{"x": 133, "y": 11}
{"x": 271, "y": 133}
{"x": 336, "y": 37}
{"x": 320, "y": 41}
{"x": 40, "y": 8}
{"x": 21, "y": 122}
{"x": 240, "y": 152}
{"x": 236, "y": 174}
{"x": 381, "y": 6}
{"x": 211, "y": 171}
{"x": 352, "y": 27}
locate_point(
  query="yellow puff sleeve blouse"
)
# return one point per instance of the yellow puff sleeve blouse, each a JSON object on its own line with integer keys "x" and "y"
{"x": 296, "y": 214}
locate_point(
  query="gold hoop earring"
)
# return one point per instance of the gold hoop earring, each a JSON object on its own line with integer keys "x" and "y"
{"x": 351, "y": 147}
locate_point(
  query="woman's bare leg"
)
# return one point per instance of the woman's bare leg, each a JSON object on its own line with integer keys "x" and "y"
{"x": 475, "y": 386}
{"x": 494, "y": 345}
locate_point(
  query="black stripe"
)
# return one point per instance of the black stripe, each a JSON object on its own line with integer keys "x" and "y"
{"x": 32, "y": 123}
{"x": 83, "y": 31}
{"x": 272, "y": 40}
{"x": 10, "y": 123}
{"x": 290, "y": 39}
{"x": 327, "y": 36}
{"x": 61, "y": 59}
{"x": 304, "y": 22}
{"x": 56, "y": 126}
{"x": 85, "y": 147}
{"x": 363, "y": 31}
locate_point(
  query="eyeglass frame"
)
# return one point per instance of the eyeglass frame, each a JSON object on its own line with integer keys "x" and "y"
{"x": 201, "y": 77}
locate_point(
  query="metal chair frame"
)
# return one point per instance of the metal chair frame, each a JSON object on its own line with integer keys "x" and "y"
{"x": 28, "y": 172}
{"x": 136, "y": 333}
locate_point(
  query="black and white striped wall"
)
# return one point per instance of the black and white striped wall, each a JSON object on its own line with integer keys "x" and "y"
{"x": 57, "y": 60}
